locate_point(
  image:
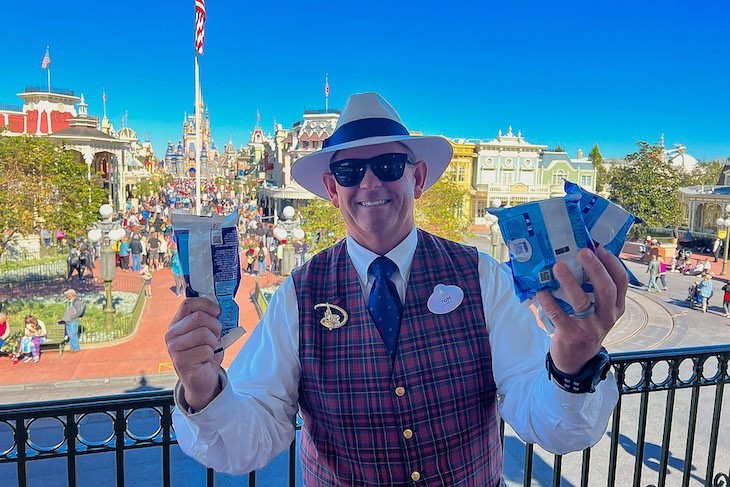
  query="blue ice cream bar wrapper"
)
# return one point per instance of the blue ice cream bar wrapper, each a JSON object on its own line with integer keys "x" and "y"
{"x": 539, "y": 234}
{"x": 607, "y": 223}
{"x": 208, "y": 251}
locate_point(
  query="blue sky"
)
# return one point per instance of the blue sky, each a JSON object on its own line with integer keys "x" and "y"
{"x": 576, "y": 74}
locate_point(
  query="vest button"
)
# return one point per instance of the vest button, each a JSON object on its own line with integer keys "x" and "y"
{"x": 416, "y": 476}
{"x": 400, "y": 391}
{"x": 408, "y": 434}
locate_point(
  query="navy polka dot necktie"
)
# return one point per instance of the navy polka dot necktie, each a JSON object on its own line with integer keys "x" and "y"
{"x": 384, "y": 304}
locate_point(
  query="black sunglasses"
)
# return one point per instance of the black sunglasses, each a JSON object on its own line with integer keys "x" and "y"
{"x": 387, "y": 167}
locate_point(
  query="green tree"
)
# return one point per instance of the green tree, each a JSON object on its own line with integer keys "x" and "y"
{"x": 647, "y": 186}
{"x": 43, "y": 184}
{"x": 321, "y": 217}
{"x": 706, "y": 172}
{"x": 601, "y": 172}
{"x": 596, "y": 157}
{"x": 440, "y": 210}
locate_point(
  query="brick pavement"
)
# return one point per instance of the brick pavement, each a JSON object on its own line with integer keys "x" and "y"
{"x": 143, "y": 354}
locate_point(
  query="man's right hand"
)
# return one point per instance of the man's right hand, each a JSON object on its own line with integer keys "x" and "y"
{"x": 192, "y": 338}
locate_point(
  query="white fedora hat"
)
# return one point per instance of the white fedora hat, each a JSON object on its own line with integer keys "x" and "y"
{"x": 368, "y": 119}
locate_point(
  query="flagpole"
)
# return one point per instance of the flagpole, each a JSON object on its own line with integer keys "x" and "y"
{"x": 326, "y": 94}
{"x": 49, "y": 71}
{"x": 198, "y": 123}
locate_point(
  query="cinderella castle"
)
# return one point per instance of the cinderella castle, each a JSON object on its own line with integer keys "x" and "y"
{"x": 180, "y": 159}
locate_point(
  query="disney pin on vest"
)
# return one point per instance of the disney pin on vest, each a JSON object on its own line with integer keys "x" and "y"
{"x": 331, "y": 320}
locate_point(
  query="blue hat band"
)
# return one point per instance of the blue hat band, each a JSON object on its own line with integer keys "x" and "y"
{"x": 363, "y": 129}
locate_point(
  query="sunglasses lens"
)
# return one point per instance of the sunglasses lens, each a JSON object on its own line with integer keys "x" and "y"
{"x": 387, "y": 168}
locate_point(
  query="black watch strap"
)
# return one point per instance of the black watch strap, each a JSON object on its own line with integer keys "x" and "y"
{"x": 586, "y": 380}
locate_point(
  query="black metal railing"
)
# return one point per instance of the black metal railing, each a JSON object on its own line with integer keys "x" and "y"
{"x": 65, "y": 433}
{"x": 45, "y": 89}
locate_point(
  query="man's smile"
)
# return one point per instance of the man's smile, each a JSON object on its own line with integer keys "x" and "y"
{"x": 373, "y": 203}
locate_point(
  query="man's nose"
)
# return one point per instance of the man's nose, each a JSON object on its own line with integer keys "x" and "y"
{"x": 370, "y": 180}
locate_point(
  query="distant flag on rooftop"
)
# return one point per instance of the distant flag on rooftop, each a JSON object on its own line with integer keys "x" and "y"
{"x": 199, "y": 25}
{"x": 326, "y": 92}
{"x": 103, "y": 95}
{"x": 46, "y": 59}
{"x": 258, "y": 116}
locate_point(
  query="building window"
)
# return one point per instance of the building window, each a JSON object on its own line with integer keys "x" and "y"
{"x": 586, "y": 181}
{"x": 480, "y": 209}
{"x": 462, "y": 172}
{"x": 558, "y": 178}
{"x": 315, "y": 144}
{"x": 507, "y": 177}
{"x": 305, "y": 144}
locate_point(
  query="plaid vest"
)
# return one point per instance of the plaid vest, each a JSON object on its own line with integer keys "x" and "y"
{"x": 429, "y": 415}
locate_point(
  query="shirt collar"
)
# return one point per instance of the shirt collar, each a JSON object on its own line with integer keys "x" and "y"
{"x": 401, "y": 254}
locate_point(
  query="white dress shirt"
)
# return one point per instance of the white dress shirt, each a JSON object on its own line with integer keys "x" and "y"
{"x": 251, "y": 420}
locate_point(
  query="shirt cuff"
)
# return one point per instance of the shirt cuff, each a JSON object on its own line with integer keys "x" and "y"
{"x": 577, "y": 411}
{"x": 209, "y": 412}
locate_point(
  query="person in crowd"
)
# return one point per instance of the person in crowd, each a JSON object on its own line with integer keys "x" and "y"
{"x": 653, "y": 270}
{"x": 153, "y": 250}
{"x": 662, "y": 272}
{"x": 162, "y": 252}
{"x": 47, "y": 237}
{"x": 135, "y": 248}
{"x": 147, "y": 271}
{"x": 30, "y": 342}
{"x": 261, "y": 260}
{"x": 250, "y": 260}
{"x": 706, "y": 291}
{"x": 4, "y": 329}
{"x": 124, "y": 252}
{"x": 696, "y": 270}
{"x": 297, "y": 244}
{"x": 726, "y": 300}
{"x": 177, "y": 272}
{"x": 274, "y": 258}
{"x": 143, "y": 240}
{"x": 396, "y": 383}
{"x": 75, "y": 309}
{"x": 707, "y": 267}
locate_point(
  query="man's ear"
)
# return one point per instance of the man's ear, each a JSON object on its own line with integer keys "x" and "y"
{"x": 420, "y": 171}
{"x": 331, "y": 185}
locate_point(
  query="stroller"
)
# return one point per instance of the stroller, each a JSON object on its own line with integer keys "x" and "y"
{"x": 694, "y": 298}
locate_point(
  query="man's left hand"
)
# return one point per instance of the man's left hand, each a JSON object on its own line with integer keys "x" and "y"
{"x": 577, "y": 340}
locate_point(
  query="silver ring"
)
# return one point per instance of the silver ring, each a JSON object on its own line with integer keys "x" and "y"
{"x": 581, "y": 315}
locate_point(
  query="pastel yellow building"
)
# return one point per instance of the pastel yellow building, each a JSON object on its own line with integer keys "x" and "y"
{"x": 461, "y": 168}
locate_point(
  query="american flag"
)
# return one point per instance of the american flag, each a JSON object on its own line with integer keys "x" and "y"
{"x": 326, "y": 86}
{"x": 199, "y": 25}
{"x": 46, "y": 60}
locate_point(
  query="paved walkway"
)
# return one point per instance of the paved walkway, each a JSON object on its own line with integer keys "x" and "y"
{"x": 144, "y": 354}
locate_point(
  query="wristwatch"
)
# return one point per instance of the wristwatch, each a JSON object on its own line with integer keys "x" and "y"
{"x": 587, "y": 378}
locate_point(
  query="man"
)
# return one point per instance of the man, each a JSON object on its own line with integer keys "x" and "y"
{"x": 75, "y": 309}
{"x": 653, "y": 270}
{"x": 153, "y": 250}
{"x": 135, "y": 247}
{"x": 402, "y": 395}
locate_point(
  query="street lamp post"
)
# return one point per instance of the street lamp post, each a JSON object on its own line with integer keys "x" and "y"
{"x": 724, "y": 223}
{"x": 285, "y": 228}
{"x": 108, "y": 232}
